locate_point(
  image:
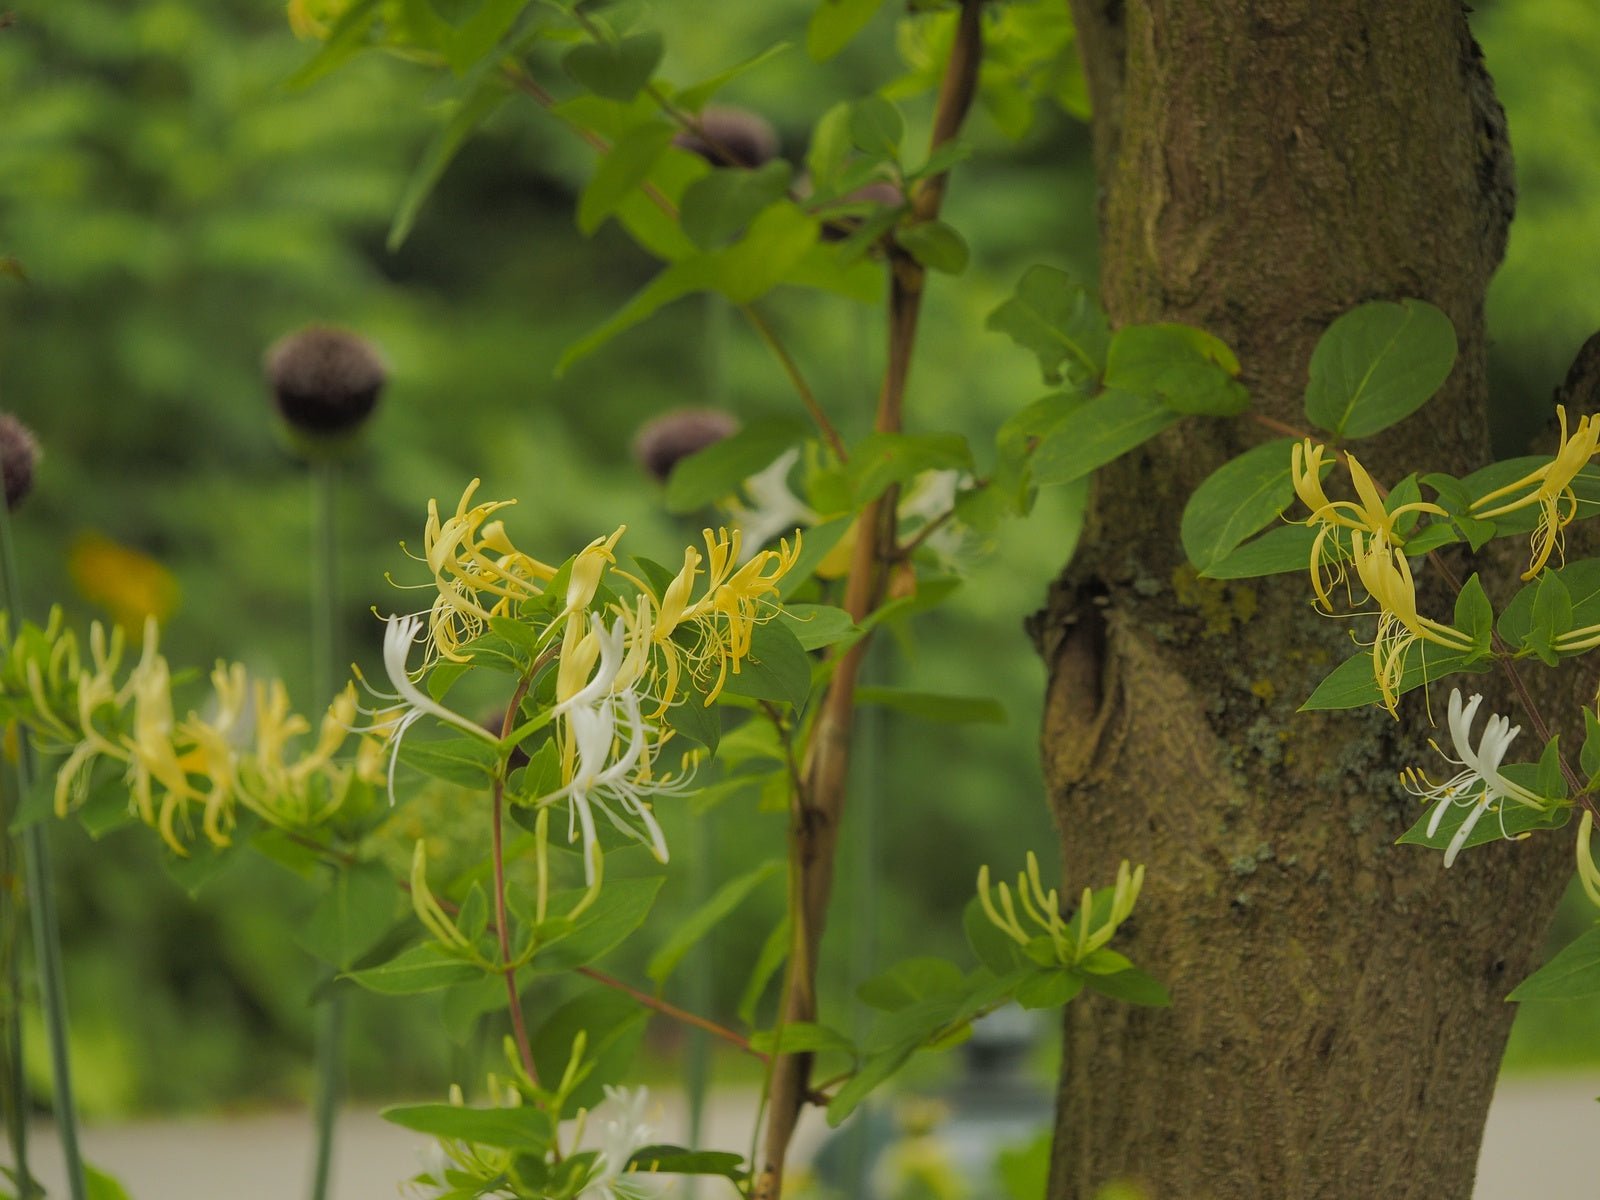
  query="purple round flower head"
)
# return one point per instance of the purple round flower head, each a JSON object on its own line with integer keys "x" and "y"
{"x": 325, "y": 381}
{"x": 884, "y": 193}
{"x": 19, "y": 452}
{"x": 731, "y": 137}
{"x": 665, "y": 441}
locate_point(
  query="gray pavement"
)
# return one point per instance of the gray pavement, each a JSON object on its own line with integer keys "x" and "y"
{"x": 1540, "y": 1140}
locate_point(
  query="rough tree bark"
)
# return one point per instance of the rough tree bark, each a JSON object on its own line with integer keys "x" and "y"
{"x": 1339, "y": 1010}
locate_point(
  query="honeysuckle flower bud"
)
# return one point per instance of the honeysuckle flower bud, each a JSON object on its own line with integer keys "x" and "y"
{"x": 730, "y": 137}
{"x": 19, "y": 454}
{"x": 325, "y": 382}
{"x": 1478, "y": 786}
{"x": 1072, "y": 942}
{"x": 664, "y": 442}
{"x": 1588, "y": 873}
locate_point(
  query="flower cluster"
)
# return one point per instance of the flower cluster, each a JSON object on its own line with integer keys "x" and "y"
{"x": 1069, "y": 942}
{"x": 624, "y": 653}
{"x": 241, "y": 750}
{"x": 1366, "y": 534}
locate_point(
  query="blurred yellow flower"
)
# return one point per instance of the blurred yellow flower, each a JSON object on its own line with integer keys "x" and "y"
{"x": 127, "y": 583}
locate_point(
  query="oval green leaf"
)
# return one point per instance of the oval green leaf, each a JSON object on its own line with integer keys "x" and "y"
{"x": 1378, "y": 364}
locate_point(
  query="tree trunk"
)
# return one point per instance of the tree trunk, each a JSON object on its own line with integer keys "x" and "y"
{"x": 1338, "y": 1013}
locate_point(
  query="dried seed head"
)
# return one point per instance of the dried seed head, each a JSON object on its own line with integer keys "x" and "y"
{"x": 731, "y": 137}
{"x": 665, "y": 441}
{"x": 325, "y": 381}
{"x": 19, "y": 452}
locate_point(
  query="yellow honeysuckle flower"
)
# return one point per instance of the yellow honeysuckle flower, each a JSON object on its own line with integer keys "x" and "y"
{"x": 477, "y": 570}
{"x": 1550, "y": 488}
{"x": 732, "y": 605}
{"x": 1386, "y": 575}
{"x": 1366, "y": 514}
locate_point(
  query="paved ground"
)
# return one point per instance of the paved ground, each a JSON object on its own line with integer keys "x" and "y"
{"x": 1539, "y": 1143}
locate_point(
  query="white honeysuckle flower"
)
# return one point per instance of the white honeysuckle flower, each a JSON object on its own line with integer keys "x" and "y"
{"x": 616, "y": 781}
{"x": 623, "y": 1130}
{"x": 398, "y": 638}
{"x": 610, "y": 644}
{"x": 774, "y": 510}
{"x": 1479, "y": 785}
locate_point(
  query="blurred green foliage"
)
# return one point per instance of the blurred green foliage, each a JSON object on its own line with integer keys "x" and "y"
{"x": 176, "y": 208}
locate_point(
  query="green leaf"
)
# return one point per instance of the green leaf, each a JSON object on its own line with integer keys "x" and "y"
{"x": 1185, "y": 368}
{"x": 876, "y": 127}
{"x": 424, "y": 968}
{"x": 344, "y": 40}
{"x": 625, "y": 167}
{"x": 1578, "y": 581}
{"x": 1351, "y": 684}
{"x": 694, "y": 97}
{"x": 352, "y": 915}
{"x": 884, "y": 459}
{"x": 1519, "y": 818}
{"x": 830, "y": 147}
{"x": 1573, "y": 974}
{"x": 1132, "y": 986}
{"x": 1049, "y": 989}
{"x": 1059, "y": 320}
{"x": 694, "y": 718}
{"x": 801, "y": 1037}
{"x": 1589, "y": 756}
{"x": 1286, "y": 548}
{"x": 936, "y": 246}
{"x": 1550, "y": 618}
{"x": 473, "y": 111}
{"x": 616, "y": 70}
{"x": 1025, "y": 1170}
{"x": 835, "y": 23}
{"x": 773, "y": 953}
{"x": 717, "y": 207}
{"x": 688, "y": 932}
{"x": 910, "y": 981}
{"x": 720, "y": 469}
{"x": 1378, "y": 364}
{"x": 778, "y": 241}
{"x": 675, "y": 1160}
{"x": 1474, "y": 615}
{"x": 1103, "y": 429}
{"x": 1236, "y": 500}
{"x": 1549, "y": 780}
{"x": 465, "y": 760}
{"x": 932, "y": 706}
{"x": 613, "y": 1025}
{"x": 522, "y": 1128}
{"x": 621, "y": 908}
{"x": 818, "y": 625}
{"x": 995, "y": 950}
{"x": 777, "y": 668}
{"x": 98, "y": 1185}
